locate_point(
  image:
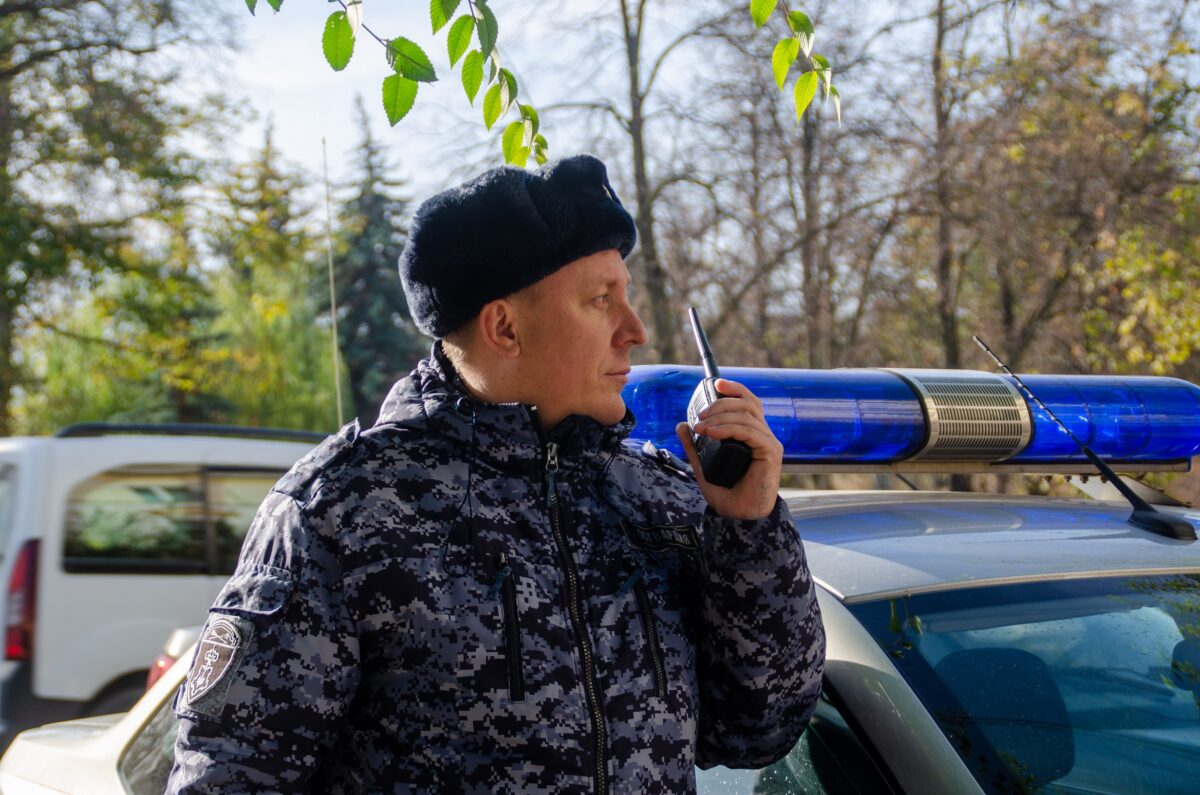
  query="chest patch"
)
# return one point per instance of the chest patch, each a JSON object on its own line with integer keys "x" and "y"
{"x": 661, "y": 536}
{"x": 215, "y": 654}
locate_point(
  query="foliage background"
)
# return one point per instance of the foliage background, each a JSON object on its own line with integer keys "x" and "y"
{"x": 1026, "y": 171}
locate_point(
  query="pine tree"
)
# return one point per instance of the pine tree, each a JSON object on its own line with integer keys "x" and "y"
{"x": 281, "y": 369}
{"x": 376, "y": 336}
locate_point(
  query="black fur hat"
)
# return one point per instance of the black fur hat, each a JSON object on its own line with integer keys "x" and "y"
{"x": 503, "y": 231}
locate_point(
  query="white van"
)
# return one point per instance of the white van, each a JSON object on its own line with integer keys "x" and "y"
{"x": 111, "y": 537}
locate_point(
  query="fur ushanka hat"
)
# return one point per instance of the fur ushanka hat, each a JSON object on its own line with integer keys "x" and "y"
{"x": 503, "y": 231}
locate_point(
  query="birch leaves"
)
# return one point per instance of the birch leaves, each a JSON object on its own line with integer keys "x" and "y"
{"x": 788, "y": 51}
{"x": 470, "y": 38}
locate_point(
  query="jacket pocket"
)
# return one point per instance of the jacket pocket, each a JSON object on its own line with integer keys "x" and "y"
{"x": 653, "y": 647}
{"x": 512, "y": 632}
{"x": 254, "y": 591}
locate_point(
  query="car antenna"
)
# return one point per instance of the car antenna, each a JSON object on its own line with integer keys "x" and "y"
{"x": 1144, "y": 514}
{"x": 337, "y": 381}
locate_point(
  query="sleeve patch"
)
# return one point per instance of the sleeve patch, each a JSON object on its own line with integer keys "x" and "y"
{"x": 218, "y": 654}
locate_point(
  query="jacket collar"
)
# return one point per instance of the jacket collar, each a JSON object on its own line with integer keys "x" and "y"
{"x": 433, "y": 399}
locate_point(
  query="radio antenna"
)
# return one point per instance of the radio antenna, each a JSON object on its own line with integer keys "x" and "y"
{"x": 337, "y": 381}
{"x": 1144, "y": 514}
{"x": 706, "y": 354}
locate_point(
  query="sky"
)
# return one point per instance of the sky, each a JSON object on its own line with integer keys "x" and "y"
{"x": 282, "y": 75}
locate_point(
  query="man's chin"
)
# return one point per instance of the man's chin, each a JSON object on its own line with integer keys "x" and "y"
{"x": 609, "y": 414}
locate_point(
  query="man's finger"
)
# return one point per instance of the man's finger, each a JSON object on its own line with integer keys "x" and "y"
{"x": 760, "y": 441}
{"x": 731, "y": 405}
{"x": 737, "y": 390}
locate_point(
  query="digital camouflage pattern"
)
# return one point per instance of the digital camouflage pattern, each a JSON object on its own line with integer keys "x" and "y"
{"x": 455, "y": 601}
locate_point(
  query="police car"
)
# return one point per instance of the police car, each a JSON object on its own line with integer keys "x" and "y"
{"x": 976, "y": 642}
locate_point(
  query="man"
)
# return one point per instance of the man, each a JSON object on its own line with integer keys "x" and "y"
{"x": 487, "y": 591}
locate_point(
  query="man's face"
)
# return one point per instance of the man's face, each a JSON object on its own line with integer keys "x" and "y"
{"x": 576, "y": 331}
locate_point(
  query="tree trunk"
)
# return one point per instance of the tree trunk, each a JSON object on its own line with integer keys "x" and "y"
{"x": 808, "y": 250}
{"x": 947, "y": 265}
{"x": 7, "y": 253}
{"x": 661, "y": 316}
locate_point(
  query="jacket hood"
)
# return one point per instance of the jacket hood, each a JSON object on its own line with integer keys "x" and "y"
{"x": 433, "y": 399}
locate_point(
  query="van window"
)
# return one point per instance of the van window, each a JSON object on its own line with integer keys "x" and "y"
{"x": 132, "y": 521}
{"x": 234, "y": 498}
{"x": 162, "y": 520}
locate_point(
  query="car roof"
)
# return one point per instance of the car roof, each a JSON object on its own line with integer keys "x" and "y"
{"x": 864, "y": 546}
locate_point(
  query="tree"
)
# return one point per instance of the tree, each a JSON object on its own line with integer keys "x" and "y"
{"x": 135, "y": 345}
{"x": 87, "y": 131}
{"x": 376, "y": 336}
{"x": 478, "y": 24}
{"x": 281, "y": 373}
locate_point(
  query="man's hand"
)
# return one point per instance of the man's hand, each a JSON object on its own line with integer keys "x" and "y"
{"x": 739, "y": 415}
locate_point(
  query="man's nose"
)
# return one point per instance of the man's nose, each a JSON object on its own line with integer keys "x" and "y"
{"x": 632, "y": 331}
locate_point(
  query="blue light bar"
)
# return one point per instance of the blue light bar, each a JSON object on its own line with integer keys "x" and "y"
{"x": 868, "y": 416}
{"x": 1138, "y": 418}
{"x": 818, "y": 415}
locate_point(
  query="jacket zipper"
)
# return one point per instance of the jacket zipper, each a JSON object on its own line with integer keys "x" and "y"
{"x": 512, "y": 631}
{"x": 590, "y": 689}
{"x": 651, "y": 629}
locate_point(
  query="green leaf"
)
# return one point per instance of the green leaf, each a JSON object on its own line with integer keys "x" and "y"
{"x": 510, "y": 87}
{"x": 539, "y": 149}
{"x": 800, "y": 23}
{"x": 275, "y": 4}
{"x": 338, "y": 40}
{"x": 410, "y": 60}
{"x": 837, "y": 103}
{"x": 805, "y": 90}
{"x": 802, "y": 26}
{"x": 440, "y": 12}
{"x": 493, "y": 104}
{"x": 806, "y": 42}
{"x": 472, "y": 74}
{"x": 531, "y": 115}
{"x": 786, "y": 52}
{"x": 512, "y": 143}
{"x": 488, "y": 29}
{"x": 459, "y": 37}
{"x": 493, "y": 65}
{"x": 399, "y": 94}
{"x": 250, "y": 5}
{"x": 824, "y": 72}
{"x": 354, "y": 13}
{"x": 761, "y": 10}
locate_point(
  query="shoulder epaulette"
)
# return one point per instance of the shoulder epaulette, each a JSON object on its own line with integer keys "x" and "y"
{"x": 666, "y": 459}
{"x": 318, "y": 460}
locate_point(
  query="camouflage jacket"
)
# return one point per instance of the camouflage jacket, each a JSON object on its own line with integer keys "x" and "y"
{"x": 456, "y": 601}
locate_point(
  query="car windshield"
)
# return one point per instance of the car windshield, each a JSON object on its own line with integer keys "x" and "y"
{"x": 1068, "y": 686}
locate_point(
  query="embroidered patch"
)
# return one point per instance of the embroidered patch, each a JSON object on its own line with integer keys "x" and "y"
{"x": 661, "y": 536}
{"x": 215, "y": 654}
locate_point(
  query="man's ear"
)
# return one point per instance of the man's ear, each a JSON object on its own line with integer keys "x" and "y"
{"x": 498, "y": 322}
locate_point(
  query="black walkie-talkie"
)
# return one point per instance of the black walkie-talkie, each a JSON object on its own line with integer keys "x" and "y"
{"x": 723, "y": 461}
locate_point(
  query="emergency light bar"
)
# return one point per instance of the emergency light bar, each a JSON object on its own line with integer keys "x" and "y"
{"x": 942, "y": 420}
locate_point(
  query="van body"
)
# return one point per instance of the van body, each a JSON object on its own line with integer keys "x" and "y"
{"x": 108, "y": 544}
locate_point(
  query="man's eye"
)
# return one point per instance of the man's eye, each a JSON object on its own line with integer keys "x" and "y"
{"x": 603, "y": 300}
